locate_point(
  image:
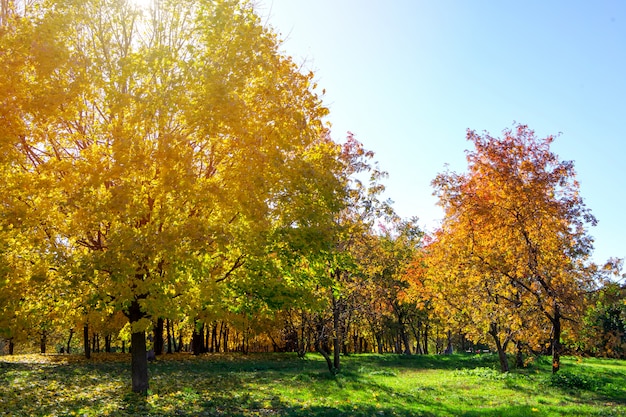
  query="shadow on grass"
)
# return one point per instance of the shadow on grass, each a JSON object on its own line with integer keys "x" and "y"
{"x": 232, "y": 385}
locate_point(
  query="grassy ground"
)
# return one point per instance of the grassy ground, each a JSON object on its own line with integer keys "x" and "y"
{"x": 283, "y": 385}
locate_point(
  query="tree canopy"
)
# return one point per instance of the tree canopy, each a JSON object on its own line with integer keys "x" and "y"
{"x": 513, "y": 249}
{"x": 155, "y": 152}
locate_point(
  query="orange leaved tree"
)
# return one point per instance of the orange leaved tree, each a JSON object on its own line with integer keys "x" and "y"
{"x": 511, "y": 258}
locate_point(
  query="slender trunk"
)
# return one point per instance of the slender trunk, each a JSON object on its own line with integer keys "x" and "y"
{"x": 43, "y": 340}
{"x": 11, "y": 346}
{"x": 519, "y": 355}
{"x": 215, "y": 347}
{"x": 321, "y": 346}
{"x": 556, "y": 341}
{"x": 69, "y": 341}
{"x": 405, "y": 340}
{"x": 107, "y": 343}
{"x": 336, "y": 334}
{"x": 158, "y": 337}
{"x": 379, "y": 342}
{"x": 169, "y": 336}
{"x": 179, "y": 346}
{"x": 425, "y": 339}
{"x": 302, "y": 344}
{"x": 448, "y": 350}
{"x": 225, "y": 341}
{"x": 504, "y": 362}
{"x": 139, "y": 359}
{"x": 415, "y": 329}
{"x": 197, "y": 338}
{"x": 86, "y": 345}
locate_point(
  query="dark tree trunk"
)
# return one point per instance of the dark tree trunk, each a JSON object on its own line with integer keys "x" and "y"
{"x": 197, "y": 338}
{"x": 425, "y": 339}
{"x": 11, "y": 346}
{"x": 86, "y": 345}
{"x": 321, "y": 347}
{"x": 379, "y": 342}
{"x": 336, "y": 335}
{"x": 215, "y": 345}
{"x": 225, "y": 338}
{"x": 303, "y": 343}
{"x": 556, "y": 339}
{"x": 139, "y": 363}
{"x": 158, "y": 337}
{"x": 123, "y": 346}
{"x": 504, "y": 362}
{"x": 139, "y": 359}
{"x": 69, "y": 341}
{"x": 519, "y": 355}
{"x": 107, "y": 343}
{"x": 405, "y": 340}
{"x": 42, "y": 342}
{"x": 415, "y": 329}
{"x": 168, "y": 326}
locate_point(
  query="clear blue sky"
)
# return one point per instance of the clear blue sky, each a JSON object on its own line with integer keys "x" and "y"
{"x": 409, "y": 77}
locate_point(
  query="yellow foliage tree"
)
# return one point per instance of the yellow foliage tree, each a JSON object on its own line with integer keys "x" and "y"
{"x": 157, "y": 145}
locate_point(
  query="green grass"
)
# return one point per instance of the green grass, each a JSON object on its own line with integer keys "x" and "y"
{"x": 283, "y": 385}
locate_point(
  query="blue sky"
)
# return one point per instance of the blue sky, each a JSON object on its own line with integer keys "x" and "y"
{"x": 409, "y": 77}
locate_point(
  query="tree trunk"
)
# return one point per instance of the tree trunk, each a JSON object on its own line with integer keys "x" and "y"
{"x": 86, "y": 345}
{"x": 415, "y": 329}
{"x": 519, "y": 355}
{"x": 215, "y": 345}
{"x": 197, "y": 338}
{"x": 225, "y": 337}
{"x": 319, "y": 343}
{"x": 378, "y": 338}
{"x": 43, "y": 340}
{"x": 158, "y": 337}
{"x": 504, "y": 362}
{"x": 405, "y": 340}
{"x": 139, "y": 359}
{"x": 11, "y": 346}
{"x": 139, "y": 363}
{"x": 107, "y": 343}
{"x": 425, "y": 339}
{"x": 168, "y": 326}
{"x": 336, "y": 335}
{"x": 303, "y": 345}
{"x": 556, "y": 339}
{"x": 179, "y": 346}
{"x": 69, "y": 341}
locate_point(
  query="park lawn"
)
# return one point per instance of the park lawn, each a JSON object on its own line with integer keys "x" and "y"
{"x": 283, "y": 385}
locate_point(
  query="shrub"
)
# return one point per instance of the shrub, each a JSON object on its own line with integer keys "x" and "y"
{"x": 571, "y": 380}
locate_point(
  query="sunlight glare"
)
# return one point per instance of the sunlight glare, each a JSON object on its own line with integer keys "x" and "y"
{"x": 142, "y": 4}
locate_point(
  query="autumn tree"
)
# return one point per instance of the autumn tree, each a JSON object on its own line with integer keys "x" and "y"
{"x": 336, "y": 266}
{"x": 384, "y": 256}
{"x": 513, "y": 251}
{"x": 157, "y": 144}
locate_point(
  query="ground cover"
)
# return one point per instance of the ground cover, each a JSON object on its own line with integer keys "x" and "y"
{"x": 283, "y": 385}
